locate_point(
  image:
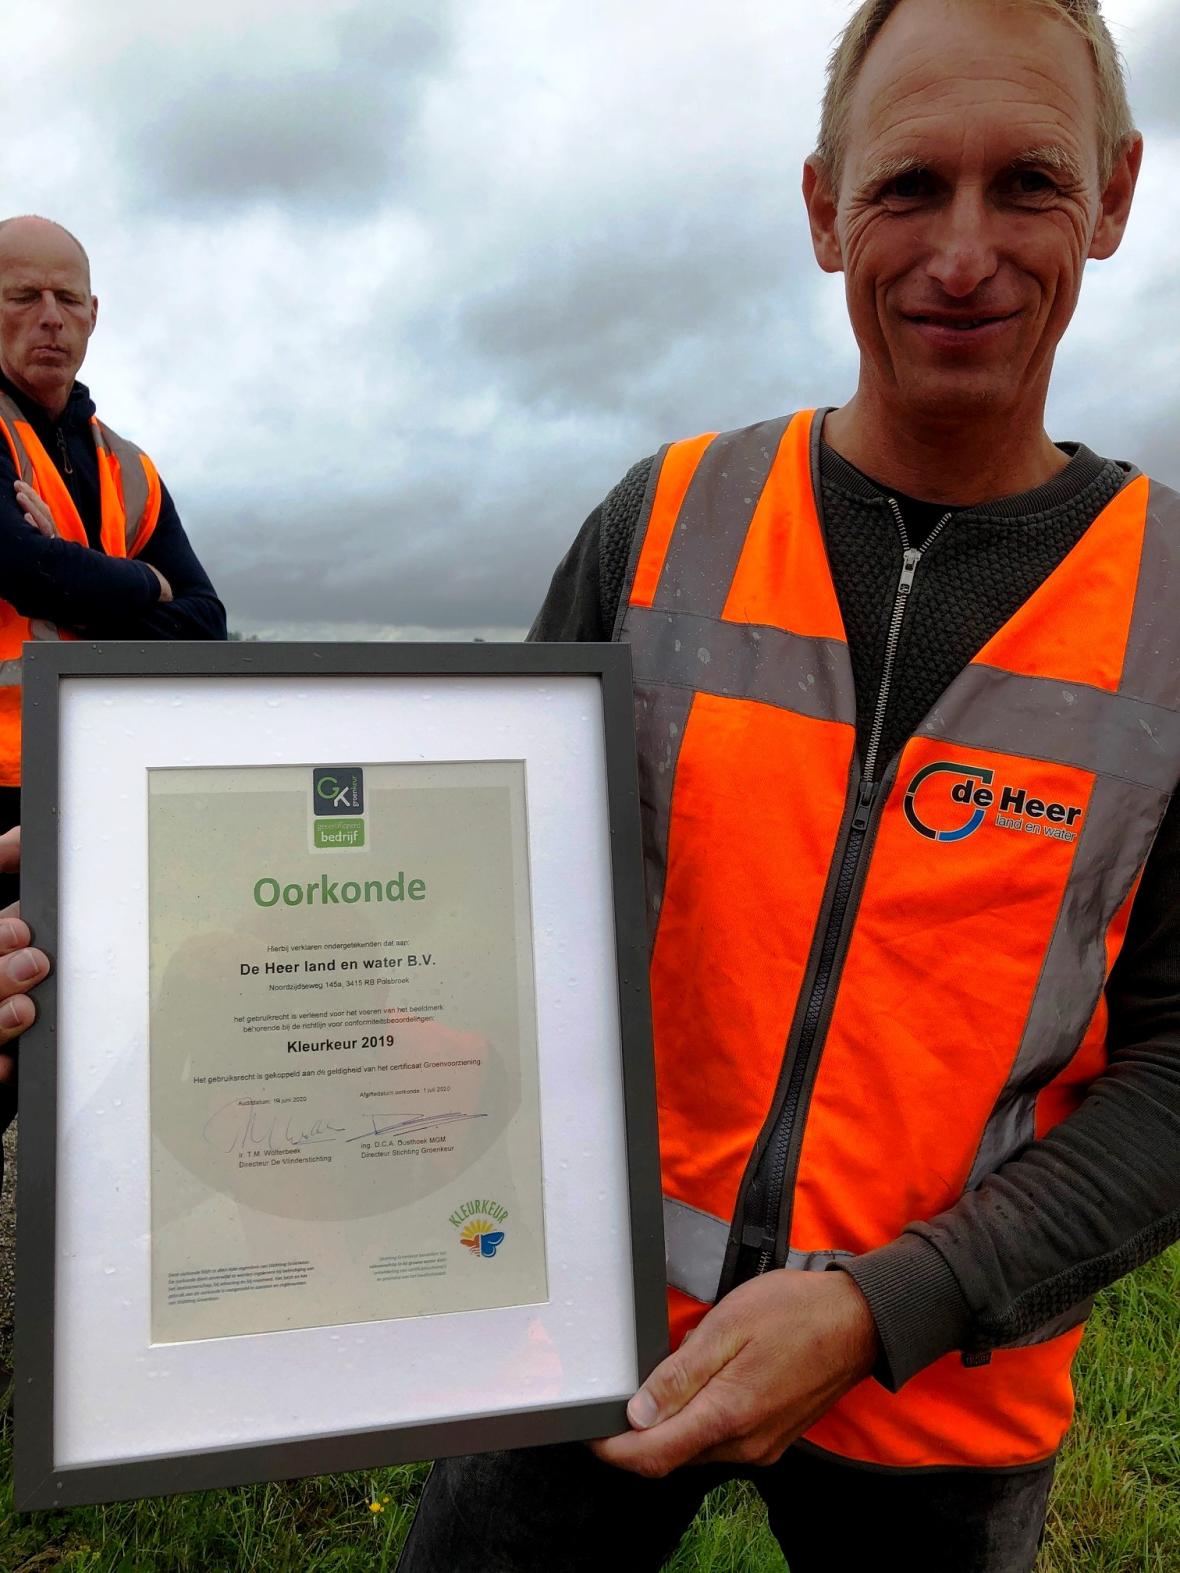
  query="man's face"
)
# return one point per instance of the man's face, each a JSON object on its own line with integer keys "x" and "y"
{"x": 47, "y": 312}
{"x": 968, "y": 202}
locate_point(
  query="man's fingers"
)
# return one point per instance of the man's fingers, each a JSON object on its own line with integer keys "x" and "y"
{"x": 10, "y": 850}
{"x": 14, "y": 934}
{"x": 702, "y": 1425}
{"x": 681, "y": 1410}
{"x": 16, "y": 1014}
{"x": 21, "y": 967}
{"x": 679, "y": 1378}
{"x": 37, "y": 512}
{"x": 20, "y": 970}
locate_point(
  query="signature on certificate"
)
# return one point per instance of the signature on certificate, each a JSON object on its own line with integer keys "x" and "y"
{"x": 238, "y": 1128}
{"x": 410, "y": 1122}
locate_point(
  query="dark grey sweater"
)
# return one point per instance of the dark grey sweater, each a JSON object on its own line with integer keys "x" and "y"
{"x": 1101, "y": 1193}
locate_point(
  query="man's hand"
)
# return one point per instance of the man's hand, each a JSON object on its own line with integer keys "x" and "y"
{"x": 20, "y": 967}
{"x": 35, "y": 510}
{"x": 764, "y": 1365}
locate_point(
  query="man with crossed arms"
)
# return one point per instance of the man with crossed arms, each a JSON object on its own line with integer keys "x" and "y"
{"x": 90, "y": 540}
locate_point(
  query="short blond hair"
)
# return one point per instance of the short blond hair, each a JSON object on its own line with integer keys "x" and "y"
{"x": 1115, "y": 124}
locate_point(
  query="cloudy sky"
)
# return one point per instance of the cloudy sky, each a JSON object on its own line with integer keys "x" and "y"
{"x": 395, "y": 290}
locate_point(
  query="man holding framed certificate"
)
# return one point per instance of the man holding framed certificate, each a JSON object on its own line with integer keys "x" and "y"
{"x": 908, "y": 707}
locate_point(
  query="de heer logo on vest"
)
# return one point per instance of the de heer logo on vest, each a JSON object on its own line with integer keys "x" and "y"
{"x": 946, "y": 801}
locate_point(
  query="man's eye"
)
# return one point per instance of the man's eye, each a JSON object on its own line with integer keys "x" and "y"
{"x": 1032, "y": 183}
{"x": 908, "y": 187}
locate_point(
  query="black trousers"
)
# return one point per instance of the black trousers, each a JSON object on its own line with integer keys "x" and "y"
{"x": 559, "y": 1510}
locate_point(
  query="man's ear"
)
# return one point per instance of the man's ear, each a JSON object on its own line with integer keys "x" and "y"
{"x": 1115, "y": 208}
{"x": 93, "y": 313}
{"x": 821, "y": 215}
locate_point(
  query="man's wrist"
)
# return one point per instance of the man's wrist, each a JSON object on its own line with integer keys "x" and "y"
{"x": 864, "y": 1340}
{"x": 919, "y": 1311}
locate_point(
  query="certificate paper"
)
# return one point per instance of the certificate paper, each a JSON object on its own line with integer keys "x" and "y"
{"x": 344, "y": 1098}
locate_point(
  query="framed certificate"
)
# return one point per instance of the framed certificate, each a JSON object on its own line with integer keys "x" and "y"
{"x": 337, "y": 1138}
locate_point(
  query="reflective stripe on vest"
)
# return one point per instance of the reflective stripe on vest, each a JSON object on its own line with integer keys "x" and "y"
{"x": 965, "y": 1015}
{"x": 695, "y": 1244}
{"x": 129, "y": 490}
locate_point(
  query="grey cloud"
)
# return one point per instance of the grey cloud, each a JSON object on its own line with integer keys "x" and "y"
{"x": 596, "y": 350}
{"x": 659, "y": 315}
{"x": 1152, "y": 59}
{"x": 1152, "y": 447}
{"x": 432, "y": 553}
{"x": 249, "y": 121}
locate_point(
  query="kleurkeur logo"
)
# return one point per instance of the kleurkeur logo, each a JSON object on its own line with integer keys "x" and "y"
{"x": 482, "y": 1226}
{"x": 481, "y": 1238}
{"x": 959, "y": 799}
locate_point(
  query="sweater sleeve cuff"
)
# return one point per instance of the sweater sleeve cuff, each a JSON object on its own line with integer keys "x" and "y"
{"x": 920, "y": 1311}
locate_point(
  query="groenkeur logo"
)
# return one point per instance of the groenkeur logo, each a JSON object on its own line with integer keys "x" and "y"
{"x": 338, "y": 808}
{"x": 338, "y": 789}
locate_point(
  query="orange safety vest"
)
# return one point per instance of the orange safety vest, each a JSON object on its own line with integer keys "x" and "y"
{"x": 943, "y": 946}
{"x": 130, "y": 494}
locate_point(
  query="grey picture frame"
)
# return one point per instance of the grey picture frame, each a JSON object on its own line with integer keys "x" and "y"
{"x": 37, "y": 1482}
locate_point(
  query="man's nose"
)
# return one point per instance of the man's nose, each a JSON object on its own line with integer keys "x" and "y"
{"x": 963, "y": 254}
{"x": 51, "y": 316}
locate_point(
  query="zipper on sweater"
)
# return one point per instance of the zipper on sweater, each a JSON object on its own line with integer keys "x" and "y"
{"x": 831, "y": 950}
{"x": 63, "y": 448}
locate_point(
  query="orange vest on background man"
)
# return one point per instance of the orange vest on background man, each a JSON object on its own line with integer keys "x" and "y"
{"x": 901, "y": 979}
{"x": 130, "y": 492}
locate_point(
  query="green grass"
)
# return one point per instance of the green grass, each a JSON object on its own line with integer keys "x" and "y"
{"x": 1115, "y": 1507}
{"x": 1116, "y": 1503}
